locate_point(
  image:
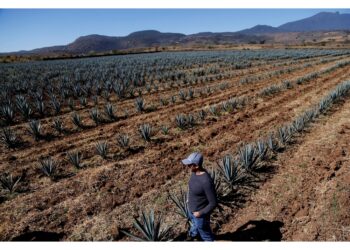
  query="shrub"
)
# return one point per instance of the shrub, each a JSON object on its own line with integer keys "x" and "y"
{"x": 202, "y": 114}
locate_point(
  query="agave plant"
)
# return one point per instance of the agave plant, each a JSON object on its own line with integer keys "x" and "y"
{"x": 182, "y": 205}
{"x": 40, "y": 107}
{"x": 140, "y": 105}
{"x": 262, "y": 149}
{"x": 95, "y": 115}
{"x": 191, "y": 93}
{"x": 123, "y": 140}
{"x": 83, "y": 101}
{"x": 102, "y": 149}
{"x": 35, "y": 129}
{"x": 191, "y": 120}
{"x": 150, "y": 228}
{"x": 75, "y": 159}
{"x": 146, "y": 131}
{"x": 163, "y": 101}
{"x": 23, "y": 107}
{"x": 48, "y": 166}
{"x": 70, "y": 104}
{"x": 76, "y": 119}
{"x": 283, "y": 135}
{"x": 173, "y": 99}
{"x": 7, "y": 114}
{"x": 165, "y": 130}
{"x": 56, "y": 105}
{"x": 9, "y": 138}
{"x": 58, "y": 125}
{"x": 181, "y": 121}
{"x": 202, "y": 114}
{"x": 109, "y": 110}
{"x": 271, "y": 143}
{"x": 232, "y": 173}
{"x": 248, "y": 156}
{"x": 182, "y": 95}
{"x": 299, "y": 124}
{"x": 213, "y": 110}
{"x": 9, "y": 183}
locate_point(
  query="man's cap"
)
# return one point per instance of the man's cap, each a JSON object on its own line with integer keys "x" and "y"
{"x": 194, "y": 158}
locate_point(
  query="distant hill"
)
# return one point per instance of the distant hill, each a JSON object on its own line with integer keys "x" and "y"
{"x": 286, "y": 33}
{"x": 324, "y": 21}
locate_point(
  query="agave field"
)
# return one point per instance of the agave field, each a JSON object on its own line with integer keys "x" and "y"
{"x": 91, "y": 148}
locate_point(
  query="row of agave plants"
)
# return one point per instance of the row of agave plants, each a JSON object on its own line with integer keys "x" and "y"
{"x": 234, "y": 170}
{"x": 182, "y": 121}
{"x": 288, "y": 84}
{"x": 35, "y": 128}
{"x": 7, "y": 112}
{"x": 62, "y": 88}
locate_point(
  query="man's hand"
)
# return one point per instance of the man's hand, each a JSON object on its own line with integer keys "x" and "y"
{"x": 196, "y": 214}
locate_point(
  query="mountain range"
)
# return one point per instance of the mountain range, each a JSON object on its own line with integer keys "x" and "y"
{"x": 288, "y": 33}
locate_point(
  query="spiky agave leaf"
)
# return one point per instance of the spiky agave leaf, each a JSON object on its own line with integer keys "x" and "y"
{"x": 150, "y": 228}
{"x": 9, "y": 183}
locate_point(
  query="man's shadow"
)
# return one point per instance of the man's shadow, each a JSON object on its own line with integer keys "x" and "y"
{"x": 255, "y": 230}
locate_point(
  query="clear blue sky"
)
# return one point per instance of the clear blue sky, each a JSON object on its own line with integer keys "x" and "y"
{"x": 25, "y": 29}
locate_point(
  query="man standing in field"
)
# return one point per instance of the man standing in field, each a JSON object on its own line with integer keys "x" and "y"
{"x": 201, "y": 197}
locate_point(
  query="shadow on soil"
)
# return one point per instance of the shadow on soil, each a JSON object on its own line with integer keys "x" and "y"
{"x": 39, "y": 236}
{"x": 255, "y": 230}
